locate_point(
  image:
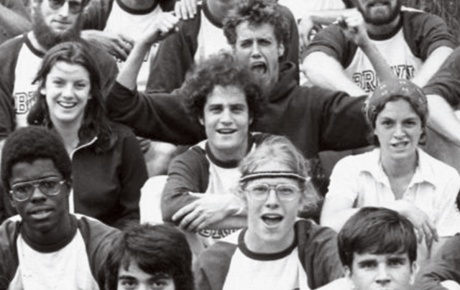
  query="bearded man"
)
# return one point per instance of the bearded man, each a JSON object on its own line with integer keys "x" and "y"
{"x": 413, "y": 43}
{"x": 54, "y": 21}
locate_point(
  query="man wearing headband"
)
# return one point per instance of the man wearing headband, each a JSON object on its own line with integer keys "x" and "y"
{"x": 276, "y": 250}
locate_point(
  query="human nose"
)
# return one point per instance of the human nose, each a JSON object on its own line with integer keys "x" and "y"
{"x": 399, "y": 131}
{"x": 36, "y": 194}
{"x": 255, "y": 52}
{"x": 272, "y": 198}
{"x": 226, "y": 116}
{"x": 67, "y": 90}
{"x": 64, "y": 10}
{"x": 382, "y": 275}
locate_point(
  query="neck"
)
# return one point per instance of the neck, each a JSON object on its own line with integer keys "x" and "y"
{"x": 138, "y": 4}
{"x": 58, "y": 234}
{"x": 69, "y": 134}
{"x": 230, "y": 155}
{"x": 219, "y": 9}
{"x": 33, "y": 39}
{"x": 385, "y": 29}
{"x": 396, "y": 168}
{"x": 257, "y": 244}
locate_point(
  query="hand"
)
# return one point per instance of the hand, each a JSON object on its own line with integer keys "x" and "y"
{"x": 164, "y": 24}
{"x": 116, "y": 44}
{"x": 354, "y": 27}
{"x": 144, "y": 144}
{"x": 423, "y": 224}
{"x": 305, "y": 27}
{"x": 205, "y": 211}
{"x": 186, "y": 9}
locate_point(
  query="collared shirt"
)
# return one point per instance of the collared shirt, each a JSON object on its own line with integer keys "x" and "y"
{"x": 433, "y": 188}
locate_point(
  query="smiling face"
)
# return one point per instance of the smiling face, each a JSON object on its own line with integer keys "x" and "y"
{"x": 257, "y": 47}
{"x": 67, "y": 90}
{"x": 226, "y": 120}
{"x": 41, "y": 213}
{"x": 398, "y": 129}
{"x": 379, "y": 12}
{"x": 381, "y": 272}
{"x": 134, "y": 278}
{"x": 271, "y": 221}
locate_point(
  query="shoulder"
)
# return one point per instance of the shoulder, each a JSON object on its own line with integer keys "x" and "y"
{"x": 218, "y": 255}
{"x": 121, "y": 131}
{"x": 94, "y": 231}
{"x": 10, "y": 48}
{"x": 438, "y": 169}
{"x": 309, "y": 233}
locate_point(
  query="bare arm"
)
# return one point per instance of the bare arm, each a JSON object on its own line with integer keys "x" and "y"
{"x": 442, "y": 119}
{"x": 165, "y": 24}
{"x": 432, "y": 65}
{"x": 326, "y": 72}
{"x": 336, "y": 211}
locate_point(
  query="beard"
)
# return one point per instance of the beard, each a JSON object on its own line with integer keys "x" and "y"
{"x": 381, "y": 20}
{"x": 47, "y": 37}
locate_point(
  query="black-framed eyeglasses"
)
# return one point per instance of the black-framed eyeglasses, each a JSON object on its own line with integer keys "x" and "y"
{"x": 75, "y": 7}
{"x": 49, "y": 186}
{"x": 285, "y": 192}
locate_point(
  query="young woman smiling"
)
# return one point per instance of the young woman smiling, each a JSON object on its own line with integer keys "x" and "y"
{"x": 108, "y": 166}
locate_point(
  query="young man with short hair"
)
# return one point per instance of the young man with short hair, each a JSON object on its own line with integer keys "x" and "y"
{"x": 49, "y": 248}
{"x": 150, "y": 257}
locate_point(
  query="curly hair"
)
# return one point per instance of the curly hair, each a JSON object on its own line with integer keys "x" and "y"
{"x": 257, "y": 12}
{"x": 95, "y": 122}
{"x": 221, "y": 70}
{"x": 155, "y": 249}
{"x": 32, "y": 143}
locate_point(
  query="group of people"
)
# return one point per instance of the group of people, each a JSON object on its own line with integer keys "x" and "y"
{"x": 254, "y": 109}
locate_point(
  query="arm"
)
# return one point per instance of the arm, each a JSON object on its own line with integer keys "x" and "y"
{"x": 132, "y": 176}
{"x": 14, "y": 18}
{"x": 116, "y": 44}
{"x": 446, "y": 266}
{"x": 432, "y": 65}
{"x": 442, "y": 119}
{"x": 174, "y": 58}
{"x": 325, "y": 71}
{"x": 184, "y": 201}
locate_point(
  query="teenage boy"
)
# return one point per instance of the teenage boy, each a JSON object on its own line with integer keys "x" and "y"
{"x": 378, "y": 249}
{"x": 150, "y": 257}
{"x": 49, "y": 248}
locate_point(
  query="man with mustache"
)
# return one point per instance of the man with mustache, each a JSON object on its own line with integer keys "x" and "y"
{"x": 413, "y": 43}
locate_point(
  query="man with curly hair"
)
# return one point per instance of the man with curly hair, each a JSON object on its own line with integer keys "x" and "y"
{"x": 314, "y": 119}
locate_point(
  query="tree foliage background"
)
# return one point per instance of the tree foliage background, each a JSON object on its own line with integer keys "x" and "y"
{"x": 449, "y": 10}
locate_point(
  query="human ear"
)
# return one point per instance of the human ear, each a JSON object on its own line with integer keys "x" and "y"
{"x": 201, "y": 120}
{"x": 280, "y": 50}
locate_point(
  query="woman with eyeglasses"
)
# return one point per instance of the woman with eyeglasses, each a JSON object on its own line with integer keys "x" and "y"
{"x": 397, "y": 174}
{"x": 108, "y": 166}
{"x": 276, "y": 250}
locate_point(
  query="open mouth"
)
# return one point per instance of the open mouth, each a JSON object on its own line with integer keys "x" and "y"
{"x": 67, "y": 105}
{"x": 259, "y": 67}
{"x": 226, "y": 131}
{"x": 272, "y": 219}
{"x": 400, "y": 145}
{"x": 378, "y": 4}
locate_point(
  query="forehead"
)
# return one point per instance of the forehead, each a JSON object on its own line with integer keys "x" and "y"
{"x": 65, "y": 69}
{"x": 221, "y": 95}
{"x": 361, "y": 257}
{"x": 37, "y": 169}
{"x": 245, "y": 30}
{"x": 133, "y": 271}
{"x": 398, "y": 107}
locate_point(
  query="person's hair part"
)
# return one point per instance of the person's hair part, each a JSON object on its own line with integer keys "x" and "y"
{"x": 30, "y": 144}
{"x": 155, "y": 249}
{"x": 221, "y": 70}
{"x": 255, "y": 13}
{"x": 280, "y": 149}
{"x": 376, "y": 231}
{"x": 95, "y": 122}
